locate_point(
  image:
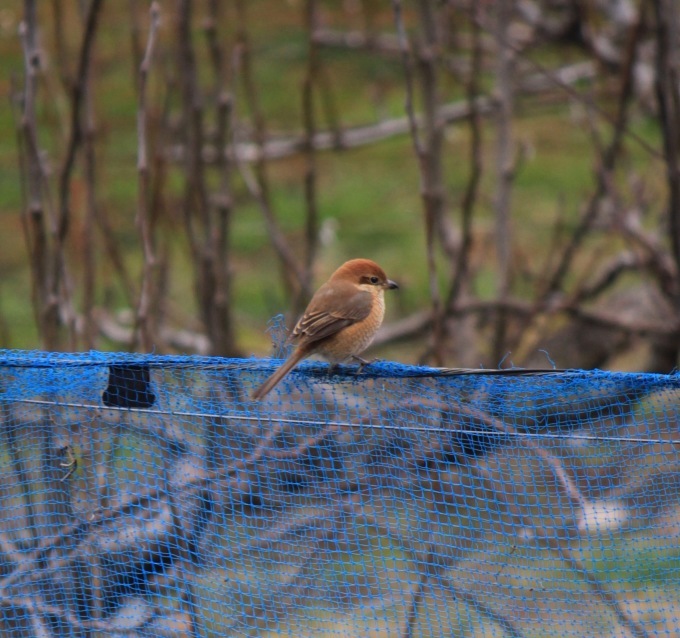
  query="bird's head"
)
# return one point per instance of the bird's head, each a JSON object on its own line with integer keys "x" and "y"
{"x": 364, "y": 273}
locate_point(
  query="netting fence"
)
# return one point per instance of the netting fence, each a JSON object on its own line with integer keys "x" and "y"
{"x": 149, "y": 496}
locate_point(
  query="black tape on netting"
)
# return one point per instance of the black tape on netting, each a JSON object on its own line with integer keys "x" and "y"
{"x": 150, "y": 496}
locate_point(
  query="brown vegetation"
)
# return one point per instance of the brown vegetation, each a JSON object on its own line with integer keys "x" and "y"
{"x": 206, "y": 148}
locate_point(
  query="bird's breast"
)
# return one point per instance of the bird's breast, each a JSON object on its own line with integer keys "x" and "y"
{"x": 354, "y": 339}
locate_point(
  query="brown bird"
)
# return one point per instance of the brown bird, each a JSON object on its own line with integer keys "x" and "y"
{"x": 340, "y": 320}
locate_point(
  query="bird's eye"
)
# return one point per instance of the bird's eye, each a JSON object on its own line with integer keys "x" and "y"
{"x": 374, "y": 280}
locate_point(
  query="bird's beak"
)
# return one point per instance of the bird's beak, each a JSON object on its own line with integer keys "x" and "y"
{"x": 391, "y": 285}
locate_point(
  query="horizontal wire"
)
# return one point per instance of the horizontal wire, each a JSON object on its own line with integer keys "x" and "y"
{"x": 248, "y": 366}
{"x": 255, "y": 365}
{"x": 348, "y": 424}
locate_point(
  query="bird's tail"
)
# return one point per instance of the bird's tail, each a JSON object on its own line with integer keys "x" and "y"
{"x": 279, "y": 374}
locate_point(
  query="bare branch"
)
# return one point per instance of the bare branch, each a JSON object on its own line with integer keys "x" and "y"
{"x": 461, "y": 272}
{"x": 357, "y": 136}
{"x": 608, "y": 162}
{"x": 144, "y": 331}
{"x": 36, "y": 218}
{"x": 310, "y": 172}
{"x": 504, "y": 167}
{"x": 258, "y": 185}
{"x": 219, "y": 298}
{"x": 428, "y": 152}
{"x": 91, "y": 214}
{"x": 61, "y": 293}
{"x": 569, "y": 89}
{"x": 420, "y": 322}
{"x": 668, "y": 96}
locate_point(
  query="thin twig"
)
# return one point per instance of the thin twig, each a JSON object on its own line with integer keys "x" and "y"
{"x": 419, "y": 322}
{"x": 310, "y": 173}
{"x": 428, "y": 153}
{"x": 39, "y": 213}
{"x": 598, "y": 586}
{"x": 504, "y": 82}
{"x": 91, "y": 213}
{"x": 36, "y": 605}
{"x": 461, "y": 265}
{"x": 668, "y": 97}
{"x": 204, "y": 222}
{"x": 221, "y": 319}
{"x": 561, "y": 548}
{"x": 569, "y": 89}
{"x": 258, "y": 184}
{"x": 61, "y": 295}
{"x": 144, "y": 331}
{"x": 610, "y": 156}
{"x": 285, "y": 146}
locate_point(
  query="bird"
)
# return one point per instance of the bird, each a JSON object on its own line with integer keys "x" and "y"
{"x": 340, "y": 321}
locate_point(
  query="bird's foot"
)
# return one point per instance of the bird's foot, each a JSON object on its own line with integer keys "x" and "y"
{"x": 362, "y": 363}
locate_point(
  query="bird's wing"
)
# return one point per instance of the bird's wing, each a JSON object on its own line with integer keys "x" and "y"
{"x": 331, "y": 309}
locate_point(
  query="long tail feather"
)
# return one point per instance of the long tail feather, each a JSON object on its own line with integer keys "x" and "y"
{"x": 279, "y": 374}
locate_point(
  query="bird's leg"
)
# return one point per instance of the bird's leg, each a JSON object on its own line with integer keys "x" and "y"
{"x": 362, "y": 363}
{"x": 332, "y": 368}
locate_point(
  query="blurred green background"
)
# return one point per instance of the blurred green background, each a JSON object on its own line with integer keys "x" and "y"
{"x": 368, "y": 198}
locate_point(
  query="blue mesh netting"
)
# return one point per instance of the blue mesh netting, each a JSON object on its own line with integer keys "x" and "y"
{"x": 148, "y": 496}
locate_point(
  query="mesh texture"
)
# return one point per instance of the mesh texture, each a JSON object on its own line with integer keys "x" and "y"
{"x": 145, "y": 495}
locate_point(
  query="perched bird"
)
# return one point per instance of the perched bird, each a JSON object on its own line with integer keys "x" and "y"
{"x": 340, "y": 320}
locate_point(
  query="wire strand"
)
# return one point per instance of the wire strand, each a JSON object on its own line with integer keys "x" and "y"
{"x": 349, "y": 424}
